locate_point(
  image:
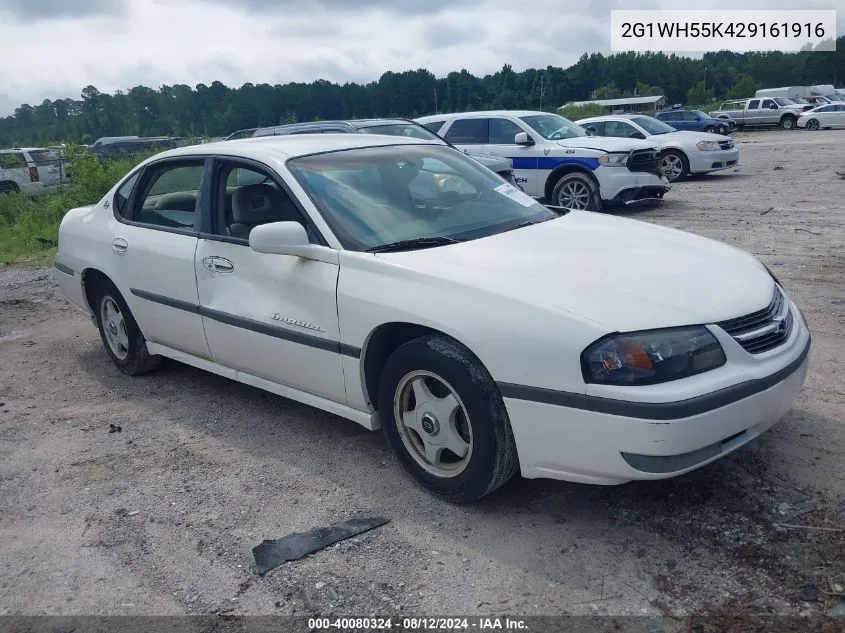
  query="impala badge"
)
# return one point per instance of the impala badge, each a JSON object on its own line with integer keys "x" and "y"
{"x": 297, "y": 322}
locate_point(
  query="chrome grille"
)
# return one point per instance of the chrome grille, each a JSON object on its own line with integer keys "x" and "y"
{"x": 729, "y": 144}
{"x": 763, "y": 330}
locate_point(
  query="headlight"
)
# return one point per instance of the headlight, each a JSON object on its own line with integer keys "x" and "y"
{"x": 614, "y": 159}
{"x": 652, "y": 356}
{"x": 707, "y": 146}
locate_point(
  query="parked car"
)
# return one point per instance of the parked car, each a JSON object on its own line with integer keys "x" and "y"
{"x": 825, "y": 116}
{"x": 681, "y": 153}
{"x": 398, "y": 283}
{"x": 760, "y": 112}
{"x": 31, "y": 170}
{"x": 555, "y": 160}
{"x": 125, "y": 146}
{"x": 695, "y": 121}
{"x": 391, "y": 127}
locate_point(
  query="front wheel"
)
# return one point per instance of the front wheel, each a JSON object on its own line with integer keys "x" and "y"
{"x": 674, "y": 165}
{"x": 710, "y": 130}
{"x": 121, "y": 335}
{"x": 576, "y": 191}
{"x": 788, "y": 122}
{"x": 445, "y": 420}
{"x": 813, "y": 125}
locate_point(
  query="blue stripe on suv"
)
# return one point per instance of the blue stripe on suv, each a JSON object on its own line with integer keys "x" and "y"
{"x": 551, "y": 162}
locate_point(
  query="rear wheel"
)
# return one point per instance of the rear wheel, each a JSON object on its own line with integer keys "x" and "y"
{"x": 445, "y": 419}
{"x": 788, "y": 122}
{"x": 121, "y": 335}
{"x": 674, "y": 165}
{"x": 9, "y": 187}
{"x": 813, "y": 124}
{"x": 576, "y": 191}
{"x": 710, "y": 130}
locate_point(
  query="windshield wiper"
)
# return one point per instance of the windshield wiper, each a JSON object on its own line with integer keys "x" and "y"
{"x": 417, "y": 242}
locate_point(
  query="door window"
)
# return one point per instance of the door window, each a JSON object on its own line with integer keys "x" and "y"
{"x": 168, "y": 198}
{"x": 468, "y": 131}
{"x": 768, "y": 103}
{"x": 618, "y": 128}
{"x": 248, "y": 197}
{"x": 754, "y": 104}
{"x": 503, "y": 131}
{"x": 121, "y": 198}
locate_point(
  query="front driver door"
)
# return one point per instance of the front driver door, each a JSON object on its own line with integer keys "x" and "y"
{"x": 271, "y": 316}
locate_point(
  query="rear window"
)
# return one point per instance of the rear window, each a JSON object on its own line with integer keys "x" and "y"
{"x": 434, "y": 126}
{"x": 12, "y": 161}
{"x": 46, "y": 157}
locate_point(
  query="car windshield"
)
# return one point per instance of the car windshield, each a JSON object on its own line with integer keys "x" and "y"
{"x": 800, "y": 100}
{"x": 702, "y": 115}
{"x": 781, "y": 101}
{"x": 375, "y": 196}
{"x": 652, "y": 125}
{"x": 553, "y": 126}
{"x": 408, "y": 130}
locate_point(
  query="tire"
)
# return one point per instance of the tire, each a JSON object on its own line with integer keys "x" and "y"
{"x": 674, "y": 164}
{"x": 711, "y": 130}
{"x": 813, "y": 125}
{"x": 120, "y": 334}
{"x": 788, "y": 122}
{"x": 464, "y": 410}
{"x": 576, "y": 191}
{"x": 9, "y": 187}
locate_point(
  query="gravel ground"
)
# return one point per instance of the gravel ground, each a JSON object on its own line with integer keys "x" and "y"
{"x": 161, "y": 517}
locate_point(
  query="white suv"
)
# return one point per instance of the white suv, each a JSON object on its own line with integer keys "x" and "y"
{"x": 31, "y": 170}
{"x": 555, "y": 160}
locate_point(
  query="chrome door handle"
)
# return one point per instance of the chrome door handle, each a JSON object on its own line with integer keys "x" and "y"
{"x": 119, "y": 245}
{"x": 218, "y": 264}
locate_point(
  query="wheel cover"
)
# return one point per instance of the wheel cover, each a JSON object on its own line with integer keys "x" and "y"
{"x": 575, "y": 194}
{"x": 114, "y": 328}
{"x": 673, "y": 166}
{"x": 813, "y": 124}
{"x": 788, "y": 123}
{"x": 433, "y": 423}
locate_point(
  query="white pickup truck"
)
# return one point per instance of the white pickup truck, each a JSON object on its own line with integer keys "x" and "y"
{"x": 777, "y": 111}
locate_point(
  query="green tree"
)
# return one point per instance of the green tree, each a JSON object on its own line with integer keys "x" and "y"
{"x": 744, "y": 87}
{"x": 699, "y": 95}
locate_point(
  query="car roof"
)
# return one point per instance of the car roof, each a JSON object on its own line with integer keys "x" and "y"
{"x": 291, "y": 146}
{"x": 478, "y": 114}
{"x": 611, "y": 117}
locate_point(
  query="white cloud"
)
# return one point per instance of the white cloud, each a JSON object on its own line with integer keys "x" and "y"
{"x": 155, "y": 42}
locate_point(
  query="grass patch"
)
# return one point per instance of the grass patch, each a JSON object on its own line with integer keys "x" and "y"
{"x": 29, "y": 227}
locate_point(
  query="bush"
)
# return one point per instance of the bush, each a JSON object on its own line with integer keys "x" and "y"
{"x": 29, "y": 227}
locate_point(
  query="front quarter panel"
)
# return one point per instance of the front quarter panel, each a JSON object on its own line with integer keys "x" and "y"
{"x": 517, "y": 343}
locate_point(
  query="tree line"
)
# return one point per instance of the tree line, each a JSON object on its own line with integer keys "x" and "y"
{"x": 217, "y": 110}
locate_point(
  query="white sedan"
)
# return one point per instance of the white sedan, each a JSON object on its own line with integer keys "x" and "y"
{"x": 681, "y": 152}
{"x": 824, "y": 116}
{"x": 400, "y": 284}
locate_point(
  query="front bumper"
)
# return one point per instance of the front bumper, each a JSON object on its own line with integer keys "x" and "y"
{"x": 609, "y": 441}
{"x": 701, "y": 162}
{"x": 618, "y": 184}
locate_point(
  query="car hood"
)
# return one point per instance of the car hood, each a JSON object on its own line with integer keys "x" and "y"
{"x": 606, "y": 143}
{"x": 622, "y": 274}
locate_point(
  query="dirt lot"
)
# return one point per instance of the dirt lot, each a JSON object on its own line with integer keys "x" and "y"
{"x": 161, "y": 517}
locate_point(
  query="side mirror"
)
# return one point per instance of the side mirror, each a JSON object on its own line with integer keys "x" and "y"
{"x": 774, "y": 106}
{"x": 591, "y": 131}
{"x": 638, "y": 135}
{"x": 522, "y": 138}
{"x": 282, "y": 238}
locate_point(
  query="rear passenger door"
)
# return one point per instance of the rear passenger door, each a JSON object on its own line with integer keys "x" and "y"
{"x": 154, "y": 234}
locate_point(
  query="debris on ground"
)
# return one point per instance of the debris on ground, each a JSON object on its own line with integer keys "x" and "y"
{"x": 271, "y": 554}
{"x": 115, "y": 428}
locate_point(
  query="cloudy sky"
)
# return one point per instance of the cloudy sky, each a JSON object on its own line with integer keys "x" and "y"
{"x": 60, "y": 46}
